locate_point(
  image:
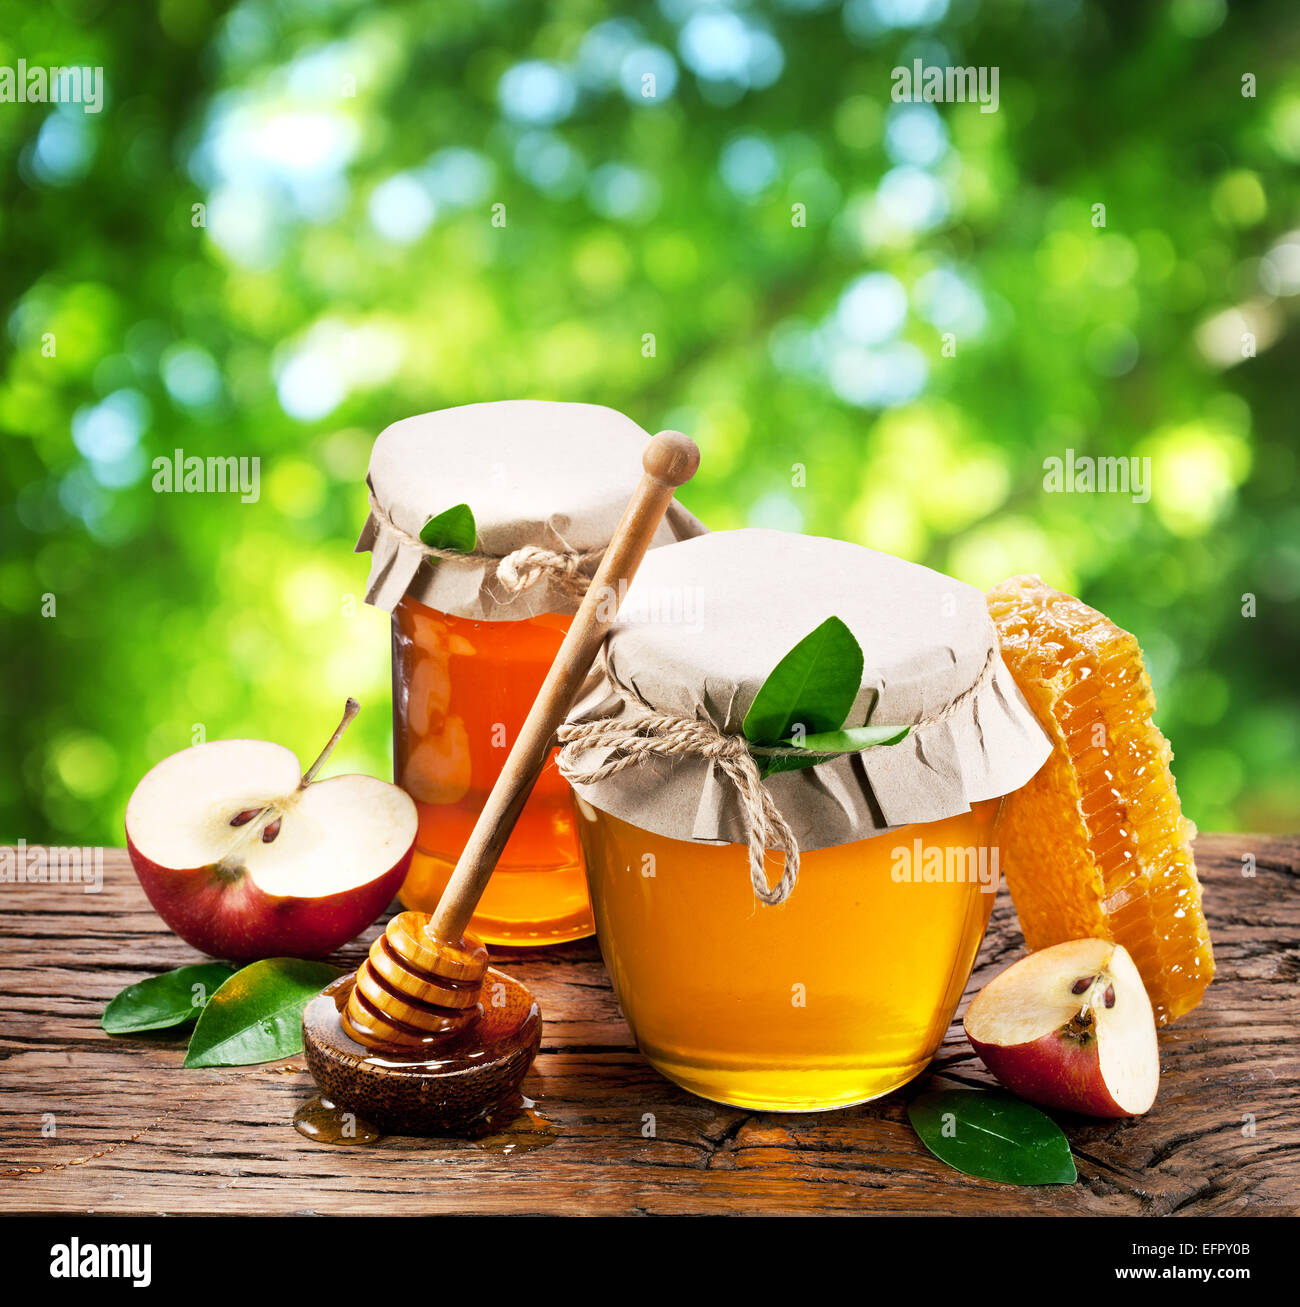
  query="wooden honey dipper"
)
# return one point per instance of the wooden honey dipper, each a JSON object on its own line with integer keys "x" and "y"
{"x": 415, "y": 989}
{"x": 418, "y": 992}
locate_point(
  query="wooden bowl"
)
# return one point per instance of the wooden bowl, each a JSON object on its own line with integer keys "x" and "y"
{"x": 453, "y": 1093}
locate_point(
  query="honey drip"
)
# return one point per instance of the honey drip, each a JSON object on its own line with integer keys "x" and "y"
{"x": 519, "y": 1128}
{"x": 99, "y": 1153}
{"x": 1096, "y": 845}
{"x": 324, "y": 1122}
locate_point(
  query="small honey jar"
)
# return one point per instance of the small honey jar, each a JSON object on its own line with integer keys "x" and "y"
{"x": 486, "y": 525}
{"x": 789, "y": 924}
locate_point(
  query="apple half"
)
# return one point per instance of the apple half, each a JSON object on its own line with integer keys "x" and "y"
{"x": 1070, "y": 1027}
{"x": 244, "y": 857}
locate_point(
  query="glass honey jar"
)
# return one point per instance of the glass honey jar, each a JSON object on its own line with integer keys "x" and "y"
{"x": 476, "y": 623}
{"x": 837, "y": 984}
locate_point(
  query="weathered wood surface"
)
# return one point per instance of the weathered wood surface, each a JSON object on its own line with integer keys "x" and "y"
{"x": 134, "y": 1132}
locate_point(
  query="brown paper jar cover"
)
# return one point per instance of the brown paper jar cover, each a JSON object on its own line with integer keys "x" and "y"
{"x": 705, "y": 622}
{"x": 533, "y": 472}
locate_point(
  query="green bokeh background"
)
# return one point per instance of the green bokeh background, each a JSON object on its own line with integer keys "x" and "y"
{"x": 345, "y": 271}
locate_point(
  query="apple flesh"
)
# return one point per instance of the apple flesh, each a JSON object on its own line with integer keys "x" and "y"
{"x": 1070, "y": 1027}
{"x": 246, "y": 858}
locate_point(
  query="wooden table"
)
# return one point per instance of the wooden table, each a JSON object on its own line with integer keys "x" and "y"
{"x": 134, "y": 1132}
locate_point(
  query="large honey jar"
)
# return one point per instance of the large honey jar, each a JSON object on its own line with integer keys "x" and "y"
{"x": 794, "y": 939}
{"x": 523, "y": 497}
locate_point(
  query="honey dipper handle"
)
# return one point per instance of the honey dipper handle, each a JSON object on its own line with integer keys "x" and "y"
{"x": 670, "y": 460}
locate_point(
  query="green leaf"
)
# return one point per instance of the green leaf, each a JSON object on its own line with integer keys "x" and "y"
{"x": 851, "y": 740}
{"x": 453, "y": 529}
{"x": 813, "y": 686}
{"x": 992, "y": 1135}
{"x": 256, "y": 1016}
{"x": 172, "y": 999}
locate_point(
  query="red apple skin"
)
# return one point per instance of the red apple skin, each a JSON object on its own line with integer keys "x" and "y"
{"x": 236, "y": 921}
{"x": 1053, "y": 1071}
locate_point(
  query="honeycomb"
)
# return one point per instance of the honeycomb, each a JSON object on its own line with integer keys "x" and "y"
{"x": 1096, "y": 845}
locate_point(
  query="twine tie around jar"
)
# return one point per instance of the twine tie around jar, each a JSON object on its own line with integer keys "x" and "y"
{"x": 655, "y": 734}
{"x": 650, "y": 733}
{"x": 570, "y": 571}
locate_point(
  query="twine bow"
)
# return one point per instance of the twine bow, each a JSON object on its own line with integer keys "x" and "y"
{"x": 649, "y": 733}
{"x": 667, "y": 735}
{"x": 570, "y": 571}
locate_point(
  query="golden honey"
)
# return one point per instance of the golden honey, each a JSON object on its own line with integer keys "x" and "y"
{"x": 837, "y": 996}
{"x": 461, "y": 691}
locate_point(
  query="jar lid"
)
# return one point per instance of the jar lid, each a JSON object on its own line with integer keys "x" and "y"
{"x": 546, "y": 482}
{"x": 706, "y": 621}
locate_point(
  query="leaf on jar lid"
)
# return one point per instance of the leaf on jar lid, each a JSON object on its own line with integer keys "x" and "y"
{"x": 256, "y": 1016}
{"x": 990, "y": 1134}
{"x": 453, "y": 529}
{"x": 812, "y": 687}
{"x": 805, "y": 700}
{"x": 852, "y": 739}
{"x": 174, "y": 998}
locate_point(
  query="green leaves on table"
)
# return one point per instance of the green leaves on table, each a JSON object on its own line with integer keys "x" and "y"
{"x": 172, "y": 999}
{"x": 992, "y": 1135}
{"x": 247, "y": 1016}
{"x": 256, "y": 1016}
{"x": 453, "y": 529}
{"x": 804, "y": 700}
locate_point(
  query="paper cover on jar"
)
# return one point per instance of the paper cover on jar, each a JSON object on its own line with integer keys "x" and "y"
{"x": 555, "y": 477}
{"x": 705, "y": 622}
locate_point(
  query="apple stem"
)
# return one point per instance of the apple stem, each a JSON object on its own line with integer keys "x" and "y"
{"x": 349, "y": 712}
{"x": 250, "y": 821}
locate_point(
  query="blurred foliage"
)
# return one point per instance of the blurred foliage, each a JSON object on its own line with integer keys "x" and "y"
{"x": 345, "y": 271}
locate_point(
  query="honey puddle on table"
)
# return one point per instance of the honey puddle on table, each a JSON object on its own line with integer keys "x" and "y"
{"x": 520, "y": 1128}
